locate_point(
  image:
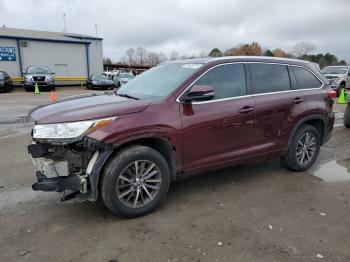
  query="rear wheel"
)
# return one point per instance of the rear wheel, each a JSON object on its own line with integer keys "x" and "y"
{"x": 347, "y": 116}
{"x": 303, "y": 149}
{"x": 135, "y": 181}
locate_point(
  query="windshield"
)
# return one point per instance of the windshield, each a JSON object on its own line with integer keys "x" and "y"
{"x": 126, "y": 76}
{"x": 335, "y": 70}
{"x": 99, "y": 77}
{"x": 159, "y": 81}
{"x": 38, "y": 70}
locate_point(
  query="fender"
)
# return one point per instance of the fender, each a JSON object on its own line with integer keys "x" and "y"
{"x": 104, "y": 156}
{"x": 304, "y": 120}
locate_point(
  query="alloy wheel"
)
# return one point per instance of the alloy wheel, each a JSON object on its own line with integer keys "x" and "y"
{"x": 139, "y": 183}
{"x": 306, "y": 148}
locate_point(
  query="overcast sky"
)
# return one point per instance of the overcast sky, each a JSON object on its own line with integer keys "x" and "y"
{"x": 191, "y": 26}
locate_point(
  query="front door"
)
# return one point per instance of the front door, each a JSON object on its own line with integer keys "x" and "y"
{"x": 220, "y": 129}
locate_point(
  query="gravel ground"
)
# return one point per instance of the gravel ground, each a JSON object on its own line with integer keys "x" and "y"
{"x": 255, "y": 212}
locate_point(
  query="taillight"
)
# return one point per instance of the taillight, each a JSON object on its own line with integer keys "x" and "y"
{"x": 331, "y": 93}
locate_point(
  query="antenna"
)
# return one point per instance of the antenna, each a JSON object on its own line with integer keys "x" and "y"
{"x": 64, "y": 23}
{"x": 96, "y": 29}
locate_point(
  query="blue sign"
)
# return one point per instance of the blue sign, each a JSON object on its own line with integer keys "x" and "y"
{"x": 7, "y": 53}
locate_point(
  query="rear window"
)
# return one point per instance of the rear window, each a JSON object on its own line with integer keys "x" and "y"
{"x": 268, "y": 78}
{"x": 305, "y": 78}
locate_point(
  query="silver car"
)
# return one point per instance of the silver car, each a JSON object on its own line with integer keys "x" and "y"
{"x": 122, "y": 78}
{"x": 338, "y": 77}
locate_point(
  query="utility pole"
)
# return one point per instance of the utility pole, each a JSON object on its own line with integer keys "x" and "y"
{"x": 64, "y": 23}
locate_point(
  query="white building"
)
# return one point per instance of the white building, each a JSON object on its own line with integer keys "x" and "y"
{"x": 68, "y": 55}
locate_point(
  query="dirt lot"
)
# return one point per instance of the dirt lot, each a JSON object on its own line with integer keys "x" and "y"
{"x": 256, "y": 212}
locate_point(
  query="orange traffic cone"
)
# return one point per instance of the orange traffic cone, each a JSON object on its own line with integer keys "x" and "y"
{"x": 52, "y": 96}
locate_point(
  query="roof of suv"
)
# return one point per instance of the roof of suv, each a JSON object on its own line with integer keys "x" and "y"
{"x": 242, "y": 58}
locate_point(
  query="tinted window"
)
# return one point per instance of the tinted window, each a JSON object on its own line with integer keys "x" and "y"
{"x": 305, "y": 78}
{"x": 227, "y": 80}
{"x": 269, "y": 78}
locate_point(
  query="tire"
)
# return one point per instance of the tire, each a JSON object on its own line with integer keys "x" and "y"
{"x": 27, "y": 89}
{"x": 291, "y": 158}
{"x": 347, "y": 116}
{"x": 117, "y": 180}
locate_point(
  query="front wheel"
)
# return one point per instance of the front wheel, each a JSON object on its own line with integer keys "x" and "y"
{"x": 303, "y": 149}
{"x": 135, "y": 181}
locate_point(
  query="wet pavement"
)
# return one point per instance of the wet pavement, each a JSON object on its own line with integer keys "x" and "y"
{"x": 335, "y": 170}
{"x": 253, "y": 212}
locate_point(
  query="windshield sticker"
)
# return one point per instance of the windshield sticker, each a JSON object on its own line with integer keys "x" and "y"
{"x": 194, "y": 66}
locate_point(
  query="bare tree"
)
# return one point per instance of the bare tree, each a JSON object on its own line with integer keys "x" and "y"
{"x": 140, "y": 55}
{"x": 130, "y": 56}
{"x": 303, "y": 48}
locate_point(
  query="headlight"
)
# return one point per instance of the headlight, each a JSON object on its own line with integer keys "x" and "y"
{"x": 49, "y": 79}
{"x": 69, "y": 130}
{"x": 28, "y": 78}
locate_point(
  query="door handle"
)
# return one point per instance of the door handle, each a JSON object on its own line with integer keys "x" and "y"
{"x": 298, "y": 100}
{"x": 246, "y": 110}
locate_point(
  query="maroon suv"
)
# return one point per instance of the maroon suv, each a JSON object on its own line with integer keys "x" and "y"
{"x": 181, "y": 117}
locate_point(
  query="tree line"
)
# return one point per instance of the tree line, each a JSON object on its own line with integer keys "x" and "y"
{"x": 302, "y": 50}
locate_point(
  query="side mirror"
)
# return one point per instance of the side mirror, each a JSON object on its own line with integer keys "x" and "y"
{"x": 199, "y": 93}
{"x": 52, "y": 73}
{"x": 23, "y": 72}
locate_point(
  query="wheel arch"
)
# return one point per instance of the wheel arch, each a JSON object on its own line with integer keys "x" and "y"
{"x": 318, "y": 121}
{"x": 158, "y": 143}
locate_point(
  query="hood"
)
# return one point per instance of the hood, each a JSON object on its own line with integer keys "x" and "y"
{"x": 335, "y": 75}
{"x": 90, "y": 106}
{"x": 37, "y": 74}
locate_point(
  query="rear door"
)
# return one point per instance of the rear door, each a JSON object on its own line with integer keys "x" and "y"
{"x": 221, "y": 129}
{"x": 277, "y": 104}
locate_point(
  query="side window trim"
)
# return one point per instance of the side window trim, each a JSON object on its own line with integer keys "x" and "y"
{"x": 219, "y": 99}
{"x": 293, "y": 79}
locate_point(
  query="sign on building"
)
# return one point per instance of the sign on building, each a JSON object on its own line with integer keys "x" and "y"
{"x": 7, "y": 53}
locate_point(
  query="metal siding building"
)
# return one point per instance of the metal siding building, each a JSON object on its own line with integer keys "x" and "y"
{"x": 68, "y": 55}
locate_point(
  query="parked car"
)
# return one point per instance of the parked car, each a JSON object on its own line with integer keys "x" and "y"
{"x": 179, "y": 118}
{"x": 5, "y": 82}
{"x": 122, "y": 78}
{"x": 41, "y": 75}
{"x": 338, "y": 77}
{"x": 99, "y": 82}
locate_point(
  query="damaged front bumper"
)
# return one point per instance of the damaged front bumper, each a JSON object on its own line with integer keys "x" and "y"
{"x": 74, "y": 167}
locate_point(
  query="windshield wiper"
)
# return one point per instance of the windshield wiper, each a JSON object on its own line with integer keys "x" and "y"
{"x": 128, "y": 96}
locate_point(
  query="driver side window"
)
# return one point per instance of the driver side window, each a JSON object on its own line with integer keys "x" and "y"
{"x": 227, "y": 80}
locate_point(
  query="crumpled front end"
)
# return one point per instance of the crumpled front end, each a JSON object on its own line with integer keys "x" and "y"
{"x": 72, "y": 168}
